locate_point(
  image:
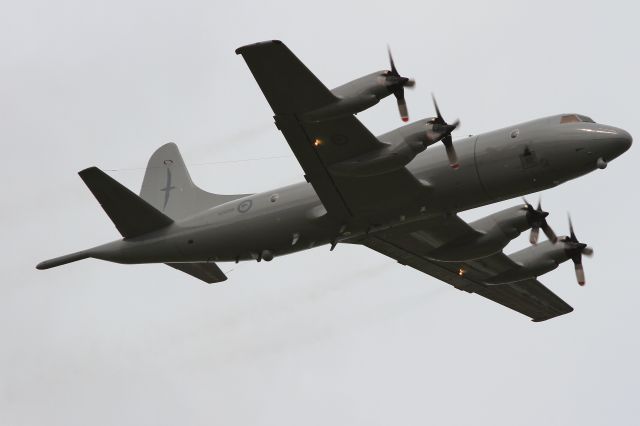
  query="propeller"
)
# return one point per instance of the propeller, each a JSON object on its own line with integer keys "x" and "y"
{"x": 537, "y": 220}
{"x": 441, "y": 130}
{"x": 575, "y": 249}
{"x": 396, "y": 84}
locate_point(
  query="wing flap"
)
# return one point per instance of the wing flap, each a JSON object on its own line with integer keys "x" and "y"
{"x": 315, "y": 171}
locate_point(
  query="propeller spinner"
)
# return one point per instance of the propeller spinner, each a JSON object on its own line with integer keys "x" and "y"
{"x": 396, "y": 84}
{"x": 537, "y": 219}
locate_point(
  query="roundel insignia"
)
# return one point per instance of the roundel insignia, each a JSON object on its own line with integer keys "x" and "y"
{"x": 244, "y": 206}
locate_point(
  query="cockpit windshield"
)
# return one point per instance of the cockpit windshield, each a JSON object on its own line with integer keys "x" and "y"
{"x": 575, "y": 118}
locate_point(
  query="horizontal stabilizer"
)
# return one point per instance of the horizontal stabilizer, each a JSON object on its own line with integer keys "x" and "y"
{"x": 131, "y": 214}
{"x": 208, "y": 272}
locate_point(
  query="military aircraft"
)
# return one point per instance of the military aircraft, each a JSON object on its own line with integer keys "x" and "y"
{"x": 367, "y": 190}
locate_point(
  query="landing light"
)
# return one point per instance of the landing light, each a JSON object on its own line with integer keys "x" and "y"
{"x": 317, "y": 142}
{"x": 461, "y": 272}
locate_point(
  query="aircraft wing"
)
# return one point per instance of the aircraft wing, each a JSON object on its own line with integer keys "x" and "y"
{"x": 292, "y": 90}
{"x": 410, "y": 245}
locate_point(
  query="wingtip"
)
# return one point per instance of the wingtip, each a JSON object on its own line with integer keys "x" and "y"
{"x": 567, "y": 310}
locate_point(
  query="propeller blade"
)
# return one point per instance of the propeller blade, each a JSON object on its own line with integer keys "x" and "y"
{"x": 402, "y": 106}
{"x": 533, "y": 237}
{"x": 441, "y": 130}
{"x": 580, "y": 273}
{"x": 394, "y": 71}
{"x": 435, "y": 104}
{"x": 537, "y": 220}
{"x": 571, "y": 232}
{"x": 451, "y": 152}
{"x": 396, "y": 84}
{"x": 549, "y": 232}
{"x": 539, "y": 208}
{"x": 575, "y": 249}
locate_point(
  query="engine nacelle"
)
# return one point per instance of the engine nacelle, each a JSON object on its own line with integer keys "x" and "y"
{"x": 353, "y": 97}
{"x": 493, "y": 233}
{"x": 400, "y": 147}
{"x": 533, "y": 261}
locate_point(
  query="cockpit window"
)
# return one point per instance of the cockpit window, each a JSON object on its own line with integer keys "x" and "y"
{"x": 585, "y": 119}
{"x": 575, "y": 118}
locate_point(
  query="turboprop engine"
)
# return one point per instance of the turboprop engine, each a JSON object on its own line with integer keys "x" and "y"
{"x": 494, "y": 232}
{"x": 363, "y": 93}
{"x": 400, "y": 146}
{"x": 545, "y": 257}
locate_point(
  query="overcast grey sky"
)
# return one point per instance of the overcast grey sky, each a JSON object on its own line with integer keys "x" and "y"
{"x": 316, "y": 338}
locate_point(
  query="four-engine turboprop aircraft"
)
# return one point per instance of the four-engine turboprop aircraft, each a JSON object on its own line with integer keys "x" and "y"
{"x": 373, "y": 191}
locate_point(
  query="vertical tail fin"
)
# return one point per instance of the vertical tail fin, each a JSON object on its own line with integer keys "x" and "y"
{"x": 168, "y": 187}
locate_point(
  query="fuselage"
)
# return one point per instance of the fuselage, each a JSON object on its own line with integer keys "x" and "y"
{"x": 494, "y": 166}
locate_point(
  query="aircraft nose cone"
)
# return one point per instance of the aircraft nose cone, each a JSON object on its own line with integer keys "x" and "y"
{"x": 624, "y": 140}
{"x": 617, "y": 143}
